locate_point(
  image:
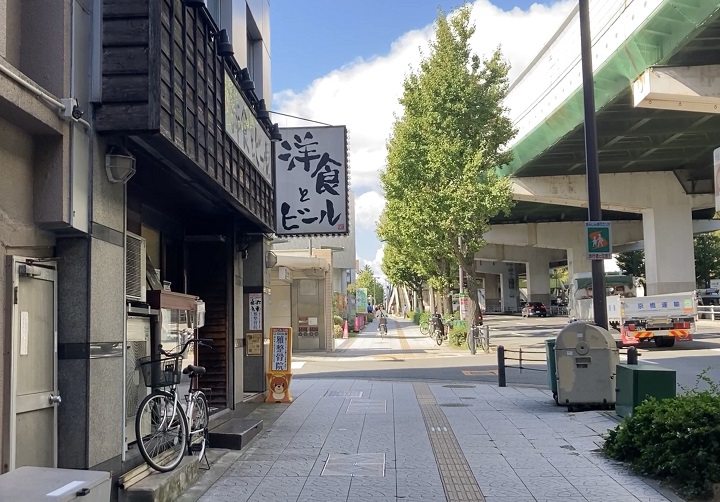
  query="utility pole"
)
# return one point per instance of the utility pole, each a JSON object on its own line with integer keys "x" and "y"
{"x": 592, "y": 161}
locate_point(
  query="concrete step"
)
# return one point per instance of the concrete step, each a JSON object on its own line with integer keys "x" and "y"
{"x": 162, "y": 486}
{"x": 235, "y": 434}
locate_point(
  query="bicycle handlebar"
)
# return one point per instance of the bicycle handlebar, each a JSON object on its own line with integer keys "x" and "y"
{"x": 207, "y": 342}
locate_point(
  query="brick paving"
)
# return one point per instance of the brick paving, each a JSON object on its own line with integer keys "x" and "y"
{"x": 366, "y": 440}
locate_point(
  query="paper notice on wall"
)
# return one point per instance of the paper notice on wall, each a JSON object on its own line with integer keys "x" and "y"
{"x": 24, "y": 330}
{"x": 255, "y": 300}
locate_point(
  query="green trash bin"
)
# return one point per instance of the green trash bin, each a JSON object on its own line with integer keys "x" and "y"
{"x": 551, "y": 371}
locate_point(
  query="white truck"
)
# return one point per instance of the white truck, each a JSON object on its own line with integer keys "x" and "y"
{"x": 661, "y": 318}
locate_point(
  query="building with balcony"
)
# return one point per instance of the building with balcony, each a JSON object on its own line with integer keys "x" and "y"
{"x": 135, "y": 200}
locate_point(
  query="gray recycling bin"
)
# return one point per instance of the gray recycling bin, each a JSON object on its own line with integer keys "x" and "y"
{"x": 44, "y": 484}
{"x": 586, "y": 358}
{"x": 552, "y": 374}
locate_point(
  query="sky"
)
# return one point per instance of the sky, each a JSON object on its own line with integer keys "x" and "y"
{"x": 343, "y": 62}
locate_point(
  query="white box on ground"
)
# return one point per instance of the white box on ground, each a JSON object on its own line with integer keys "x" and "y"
{"x": 45, "y": 484}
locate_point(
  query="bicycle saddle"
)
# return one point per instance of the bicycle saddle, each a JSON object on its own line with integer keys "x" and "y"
{"x": 194, "y": 371}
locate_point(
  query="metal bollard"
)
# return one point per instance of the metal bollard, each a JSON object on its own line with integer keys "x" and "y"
{"x": 487, "y": 339}
{"x": 501, "y": 366}
{"x": 471, "y": 339}
{"x": 632, "y": 355}
{"x": 520, "y": 358}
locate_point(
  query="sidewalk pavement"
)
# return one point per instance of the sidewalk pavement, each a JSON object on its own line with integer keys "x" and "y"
{"x": 380, "y": 441}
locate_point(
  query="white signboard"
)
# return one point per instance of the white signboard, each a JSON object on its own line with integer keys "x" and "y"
{"x": 246, "y": 131}
{"x": 279, "y": 349}
{"x": 716, "y": 163}
{"x": 255, "y": 300}
{"x": 311, "y": 181}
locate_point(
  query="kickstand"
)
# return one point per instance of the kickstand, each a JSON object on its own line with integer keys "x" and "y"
{"x": 207, "y": 462}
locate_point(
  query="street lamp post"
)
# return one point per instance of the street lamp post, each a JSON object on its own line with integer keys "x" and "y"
{"x": 591, "y": 159}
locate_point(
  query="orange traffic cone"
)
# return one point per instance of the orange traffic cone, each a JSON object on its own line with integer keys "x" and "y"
{"x": 345, "y": 329}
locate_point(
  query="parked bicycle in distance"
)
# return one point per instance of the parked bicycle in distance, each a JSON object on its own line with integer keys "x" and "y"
{"x": 164, "y": 429}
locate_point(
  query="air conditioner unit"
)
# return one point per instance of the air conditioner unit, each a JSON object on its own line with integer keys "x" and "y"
{"x": 135, "y": 280}
{"x": 285, "y": 275}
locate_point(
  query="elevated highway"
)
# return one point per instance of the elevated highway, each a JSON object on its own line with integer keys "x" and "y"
{"x": 657, "y": 86}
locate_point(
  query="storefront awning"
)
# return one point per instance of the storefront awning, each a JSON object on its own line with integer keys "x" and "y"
{"x": 301, "y": 262}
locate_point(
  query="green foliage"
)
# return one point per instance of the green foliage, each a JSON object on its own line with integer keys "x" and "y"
{"x": 632, "y": 263}
{"x": 338, "y": 321}
{"x": 675, "y": 439}
{"x": 440, "y": 184}
{"x": 422, "y": 317}
{"x": 707, "y": 258}
{"x": 457, "y": 336}
{"x": 401, "y": 270}
{"x": 366, "y": 279}
{"x": 337, "y": 331}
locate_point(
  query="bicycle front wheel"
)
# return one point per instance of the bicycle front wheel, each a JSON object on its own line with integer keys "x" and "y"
{"x": 161, "y": 431}
{"x": 484, "y": 343}
{"x": 199, "y": 432}
{"x": 425, "y": 328}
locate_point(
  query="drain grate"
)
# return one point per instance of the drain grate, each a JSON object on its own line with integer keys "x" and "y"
{"x": 367, "y": 406}
{"x": 360, "y": 464}
{"x": 457, "y": 478}
{"x": 458, "y": 386}
{"x": 337, "y": 393}
{"x": 454, "y": 405}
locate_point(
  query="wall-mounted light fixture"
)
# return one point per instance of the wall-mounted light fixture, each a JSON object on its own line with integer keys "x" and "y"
{"x": 119, "y": 164}
{"x": 262, "y": 113}
{"x": 275, "y": 134}
{"x": 224, "y": 47}
{"x": 246, "y": 83}
{"x": 270, "y": 259}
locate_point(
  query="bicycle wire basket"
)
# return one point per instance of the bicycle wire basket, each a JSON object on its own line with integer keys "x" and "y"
{"x": 160, "y": 371}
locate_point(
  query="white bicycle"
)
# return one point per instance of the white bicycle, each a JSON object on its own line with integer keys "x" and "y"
{"x": 165, "y": 430}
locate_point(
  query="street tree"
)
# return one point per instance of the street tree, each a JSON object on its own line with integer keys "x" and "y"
{"x": 632, "y": 263}
{"x": 440, "y": 182}
{"x": 366, "y": 279}
{"x": 402, "y": 271}
{"x": 707, "y": 258}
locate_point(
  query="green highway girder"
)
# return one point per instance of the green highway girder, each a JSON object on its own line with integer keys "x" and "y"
{"x": 663, "y": 33}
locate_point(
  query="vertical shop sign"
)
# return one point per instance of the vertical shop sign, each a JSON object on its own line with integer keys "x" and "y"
{"x": 255, "y": 311}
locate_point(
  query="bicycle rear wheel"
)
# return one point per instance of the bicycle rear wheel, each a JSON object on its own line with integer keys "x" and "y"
{"x": 161, "y": 431}
{"x": 199, "y": 432}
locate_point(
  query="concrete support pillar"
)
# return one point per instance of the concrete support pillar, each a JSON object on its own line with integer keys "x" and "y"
{"x": 669, "y": 252}
{"x": 577, "y": 260}
{"x": 492, "y": 292}
{"x": 510, "y": 290}
{"x": 538, "y": 278}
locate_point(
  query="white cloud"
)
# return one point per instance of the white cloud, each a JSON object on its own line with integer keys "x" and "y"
{"x": 368, "y": 207}
{"x": 363, "y": 95}
{"x": 375, "y": 264}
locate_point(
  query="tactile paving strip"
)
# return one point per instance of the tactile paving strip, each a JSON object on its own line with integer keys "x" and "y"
{"x": 457, "y": 478}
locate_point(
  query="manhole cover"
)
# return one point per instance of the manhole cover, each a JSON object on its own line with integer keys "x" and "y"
{"x": 454, "y": 405}
{"x": 362, "y": 464}
{"x": 459, "y": 386}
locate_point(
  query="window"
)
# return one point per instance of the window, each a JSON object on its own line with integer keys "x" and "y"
{"x": 214, "y": 8}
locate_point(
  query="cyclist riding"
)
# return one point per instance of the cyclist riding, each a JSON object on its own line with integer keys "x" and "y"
{"x": 437, "y": 327}
{"x": 382, "y": 321}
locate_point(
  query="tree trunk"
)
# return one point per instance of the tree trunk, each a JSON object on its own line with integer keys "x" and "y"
{"x": 419, "y": 299}
{"x": 447, "y": 301}
{"x": 431, "y": 297}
